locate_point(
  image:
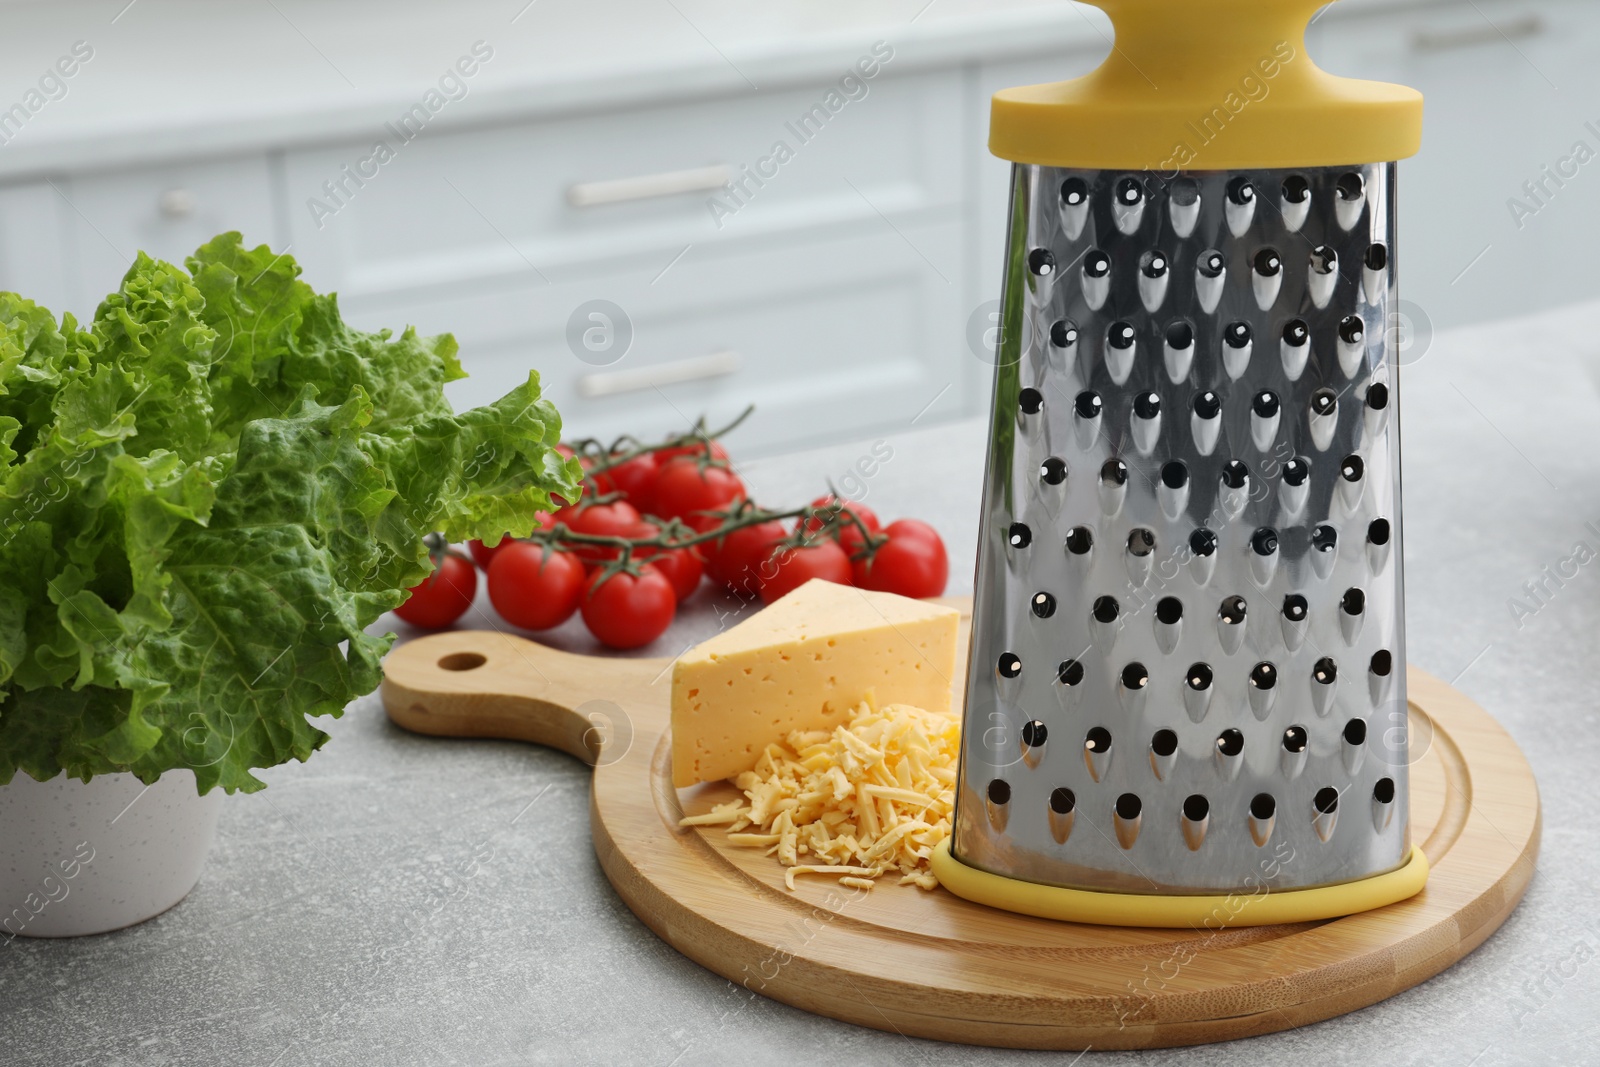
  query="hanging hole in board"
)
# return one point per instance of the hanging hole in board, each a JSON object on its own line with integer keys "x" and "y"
{"x": 462, "y": 661}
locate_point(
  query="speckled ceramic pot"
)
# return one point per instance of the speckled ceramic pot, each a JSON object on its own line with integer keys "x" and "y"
{"x": 88, "y": 857}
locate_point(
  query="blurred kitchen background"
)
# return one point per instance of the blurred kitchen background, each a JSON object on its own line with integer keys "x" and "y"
{"x": 549, "y": 183}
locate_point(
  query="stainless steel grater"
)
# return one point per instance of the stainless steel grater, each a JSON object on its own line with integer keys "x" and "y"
{"x": 1188, "y": 659}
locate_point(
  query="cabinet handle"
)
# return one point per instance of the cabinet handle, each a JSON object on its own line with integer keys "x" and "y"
{"x": 1493, "y": 33}
{"x": 649, "y": 186}
{"x": 693, "y": 369}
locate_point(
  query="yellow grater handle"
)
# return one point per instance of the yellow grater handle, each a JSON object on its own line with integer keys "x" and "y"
{"x": 1206, "y": 85}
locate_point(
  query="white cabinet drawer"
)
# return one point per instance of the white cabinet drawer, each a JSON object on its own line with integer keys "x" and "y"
{"x": 590, "y": 195}
{"x": 33, "y": 258}
{"x": 830, "y": 338}
{"x": 167, "y": 211}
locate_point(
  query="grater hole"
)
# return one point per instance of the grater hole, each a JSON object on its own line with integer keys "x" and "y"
{"x": 1295, "y": 607}
{"x": 1196, "y": 807}
{"x": 1351, "y": 187}
{"x": 1034, "y": 733}
{"x": 1042, "y": 262}
{"x": 1129, "y": 806}
{"x": 1180, "y": 335}
{"x": 1324, "y": 538}
{"x": 1354, "y": 601}
{"x": 1296, "y": 471}
{"x": 1325, "y": 671}
{"x": 1164, "y": 742}
{"x": 1175, "y": 475}
{"x": 1324, "y": 260}
{"x": 1263, "y": 806}
{"x": 1241, "y": 191}
{"x": 1326, "y": 800}
{"x": 1062, "y": 800}
{"x": 1263, "y": 675}
{"x": 1074, "y": 191}
{"x": 1323, "y": 401}
{"x": 1097, "y": 740}
{"x": 1141, "y": 542}
{"x": 1207, "y": 405}
{"x": 999, "y": 791}
{"x": 1351, "y": 329}
{"x": 1382, "y": 662}
{"x": 1355, "y": 732}
{"x": 1264, "y": 542}
{"x": 1383, "y": 791}
{"x": 1169, "y": 609}
{"x": 1096, "y": 264}
{"x": 1080, "y": 539}
{"x": 1019, "y": 535}
{"x": 1153, "y": 264}
{"x": 1202, "y": 542}
{"x": 1030, "y": 401}
{"x": 1211, "y": 263}
{"x": 1106, "y": 609}
{"x": 1135, "y": 677}
{"x": 1237, "y": 335}
{"x": 1235, "y": 474}
{"x": 1296, "y": 333}
{"x": 1113, "y": 472}
{"x": 1053, "y": 471}
{"x": 1044, "y": 605}
{"x": 1378, "y": 532}
{"x": 1199, "y": 677}
{"x": 1070, "y": 672}
{"x": 1230, "y": 742}
{"x": 1232, "y": 610}
{"x": 1121, "y": 335}
{"x": 1351, "y": 469}
{"x": 1129, "y": 192}
{"x": 1377, "y": 257}
{"x": 1378, "y": 396}
{"x": 1010, "y": 665}
{"x": 1088, "y": 404}
{"x": 1268, "y": 262}
{"x": 1265, "y": 404}
{"x": 1184, "y": 191}
{"x": 1294, "y": 739}
{"x": 1147, "y": 405}
{"x": 1296, "y": 190}
{"x": 1064, "y": 333}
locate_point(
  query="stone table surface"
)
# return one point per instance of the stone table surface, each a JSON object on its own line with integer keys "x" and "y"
{"x": 334, "y": 924}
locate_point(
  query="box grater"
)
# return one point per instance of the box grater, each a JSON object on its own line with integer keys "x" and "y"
{"x": 1187, "y": 674}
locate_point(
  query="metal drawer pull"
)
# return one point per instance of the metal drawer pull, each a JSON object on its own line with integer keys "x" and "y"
{"x": 694, "y": 369}
{"x": 1493, "y": 33}
{"x": 645, "y": 187}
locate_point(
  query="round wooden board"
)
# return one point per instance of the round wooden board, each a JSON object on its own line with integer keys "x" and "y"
{"x": 928, "y": 964}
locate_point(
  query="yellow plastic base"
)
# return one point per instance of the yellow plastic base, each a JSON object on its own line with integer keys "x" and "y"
{"x": 1261, "y": 907}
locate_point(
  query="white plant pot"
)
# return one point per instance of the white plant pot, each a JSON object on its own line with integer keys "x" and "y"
{"x": 88, "y": 857}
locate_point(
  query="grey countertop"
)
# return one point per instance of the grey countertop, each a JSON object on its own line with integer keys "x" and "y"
{"x": 334, "y": 924}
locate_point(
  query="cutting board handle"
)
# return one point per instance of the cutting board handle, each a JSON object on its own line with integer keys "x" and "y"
{"x": 479, "y": 683}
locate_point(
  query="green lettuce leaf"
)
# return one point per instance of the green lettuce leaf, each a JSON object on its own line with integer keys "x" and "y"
{"x": 206, "y": 498}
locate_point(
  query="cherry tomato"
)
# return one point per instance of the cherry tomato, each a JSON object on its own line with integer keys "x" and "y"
{"x": 797, "y": 566}
{"x": 848, "y": 534}
{"x": 912, "y": 563}
{"x": 696, "y": 450}
{"x": 485, "y": 555}
{"x": 736, "y": 560}
{"x": 684, "y": 491}
{"x": 636, "y": 480}
{"x": 682, "y": 566}
{"x": 443, "y": 597}
{"x": 624, "y": 611}
{"x": 617, "y": 519}
{"x": 534, "y": 587}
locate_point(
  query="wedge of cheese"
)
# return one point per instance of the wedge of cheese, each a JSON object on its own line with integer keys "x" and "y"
{"x": 805, "y": 662}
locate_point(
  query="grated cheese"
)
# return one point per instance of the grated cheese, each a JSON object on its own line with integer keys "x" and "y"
{"x": 871, "y": 797}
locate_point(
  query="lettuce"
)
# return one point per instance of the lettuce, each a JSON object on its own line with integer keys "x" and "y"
{"x": 208, "y": 495}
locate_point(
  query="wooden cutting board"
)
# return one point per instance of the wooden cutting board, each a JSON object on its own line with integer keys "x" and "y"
{"x": 929, "y": 964}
